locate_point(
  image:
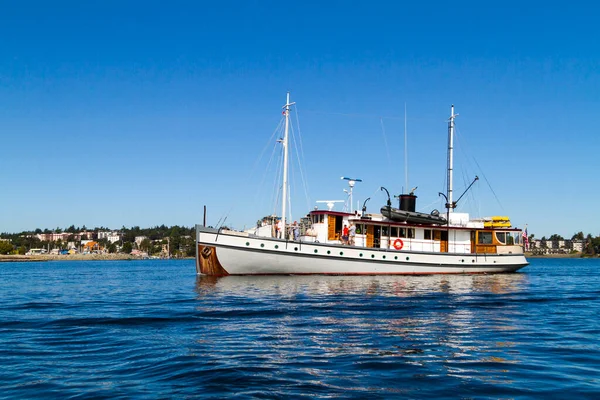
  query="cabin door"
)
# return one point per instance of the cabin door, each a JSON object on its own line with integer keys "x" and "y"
{"x": 472, "y": 242}
{"x": 444, "y": 242}
{"x": 442, "y": 237}
{"x": 331, "y": 223}
{"x": 377, "y": 236}
{"x": 370, "y": 235}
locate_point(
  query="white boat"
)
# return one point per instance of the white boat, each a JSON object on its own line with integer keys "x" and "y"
{"x": 396, "y": 242}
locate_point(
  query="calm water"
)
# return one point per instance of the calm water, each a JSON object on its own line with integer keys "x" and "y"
{"x": 152, "y": 329}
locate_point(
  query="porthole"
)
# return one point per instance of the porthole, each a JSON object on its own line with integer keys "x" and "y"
{"x": 276, "y": 246}
{"x": 407, "y": 258}
{"x": 262, "y": 245}
{"x": 372, "y": 255}
{"x": 360, "y": 255}
{"x": 395, "y": 257}
{"x": 295, "y": 249}
{"x": 384, "y": 257}
{"x": 341, "y": 253}
{"x": 316, "y": 251}
{"x": 247, "y": 243}
{"x": 328, "y": 251}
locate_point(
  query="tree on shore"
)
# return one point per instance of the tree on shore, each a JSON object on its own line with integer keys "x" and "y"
{"x": 127, "y": 247}
{"x": 578, "y": 236}
{"x": 146, "y": 245}
{"x": 589, "y": 245}
{"x": 6, "y": 247}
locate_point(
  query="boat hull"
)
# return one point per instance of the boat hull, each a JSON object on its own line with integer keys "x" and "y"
{"x": 223, "y": 253}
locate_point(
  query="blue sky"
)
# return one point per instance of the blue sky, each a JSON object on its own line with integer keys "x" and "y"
{"x": 132, "y": 113}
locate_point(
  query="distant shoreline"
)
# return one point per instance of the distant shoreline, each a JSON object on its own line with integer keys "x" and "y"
{"x": 71, "y": 257}
{"x": 573, "y": 255}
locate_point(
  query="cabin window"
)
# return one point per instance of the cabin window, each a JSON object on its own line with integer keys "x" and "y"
{"x": 517, "y": 237}
{"x": 394, "y": 232}
{"x": 427, "y": 234}
{"x": 501, "y": 237}
{"x": 484, "y": 237}
{"x": 359, "y": 229}
{"x": 384, "y": 231}
{"x": 406, "y": 233}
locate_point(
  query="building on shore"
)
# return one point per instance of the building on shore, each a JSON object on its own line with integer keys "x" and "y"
{"x": 548, "y": 247}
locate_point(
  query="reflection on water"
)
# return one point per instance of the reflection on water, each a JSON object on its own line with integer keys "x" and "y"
{"x": 442, "y": 325}
{"x": 403, "y": 286}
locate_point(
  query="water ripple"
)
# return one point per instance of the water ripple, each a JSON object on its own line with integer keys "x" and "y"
{"x": 152, "y": 329}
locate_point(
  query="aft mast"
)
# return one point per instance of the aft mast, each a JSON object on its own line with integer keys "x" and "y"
{"x": 450, "y": 205}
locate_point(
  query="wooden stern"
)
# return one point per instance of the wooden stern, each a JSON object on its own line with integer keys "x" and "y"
{"x": 207, "y": 262}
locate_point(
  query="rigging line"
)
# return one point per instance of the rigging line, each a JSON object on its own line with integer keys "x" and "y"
{"x": 465, "y": 171}
{"x": 352, "y": 114}
{"x": 277, "y": 184}
{"x": 277, "y": 129}
{"x": 302, "y": 163}
{"x": 268, "y": 167}
{"x": 387, "y": 150}
{"x": 461, "y": 146}
{"x": 489, "y": 185}
{"x": 377, "y": 191}
{"x": 300, "y": 167}
{"x": 292, "y": 170}
{"x": 264, "y": 177}
{"x": 429, "y": 205}
{"x": 223, "y": 218}
{"x": 269, "y": 163}
{"x": 484, "y": 176}
{"x": 252, "y": 171}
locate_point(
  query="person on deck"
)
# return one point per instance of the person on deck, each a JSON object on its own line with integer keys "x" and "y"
{"x": 296, "y": 230}
{"x": 352, "y": 233}
{"x": 345, "y": 235}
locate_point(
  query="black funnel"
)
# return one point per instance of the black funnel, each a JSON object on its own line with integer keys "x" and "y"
{"x": 408, "y": 202}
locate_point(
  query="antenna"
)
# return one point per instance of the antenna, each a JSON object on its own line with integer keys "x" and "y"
{"x": 330, "y": 203}
{"x": 405, "y": 150}
{"x": 351, "y": 183}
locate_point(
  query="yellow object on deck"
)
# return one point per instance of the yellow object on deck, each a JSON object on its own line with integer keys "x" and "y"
{"x": 497, "y": 224}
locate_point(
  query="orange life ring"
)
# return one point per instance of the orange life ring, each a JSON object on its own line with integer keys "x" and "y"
{"x": 398, "y": 244}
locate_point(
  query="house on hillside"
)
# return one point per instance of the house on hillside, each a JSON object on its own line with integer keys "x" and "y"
{"x": 92, "y": 247}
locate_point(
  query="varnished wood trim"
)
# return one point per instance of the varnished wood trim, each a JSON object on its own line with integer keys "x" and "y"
{"x": 208, "y": 263}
